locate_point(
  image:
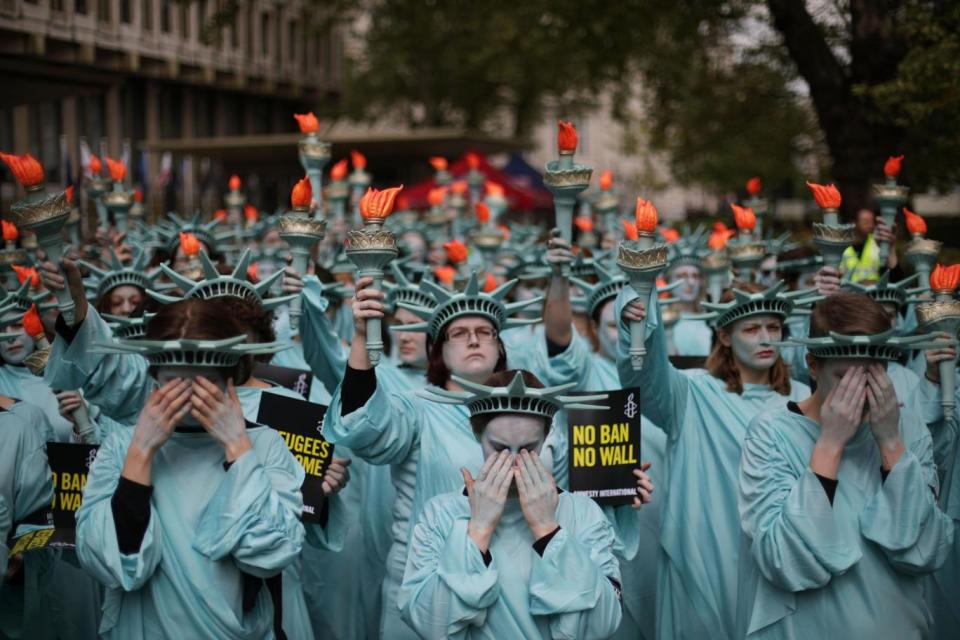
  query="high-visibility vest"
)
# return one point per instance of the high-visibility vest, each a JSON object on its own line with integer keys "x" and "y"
{"x": 865, "y": 266}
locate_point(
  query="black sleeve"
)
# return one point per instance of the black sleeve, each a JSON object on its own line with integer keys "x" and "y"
{"x": 131, "y": 514}
{"x": 358, "y": 386}
{"x": 829, "y": 486}
{"x": 541, "y": 545}
{"x": 883, "y": 475}
{"x": 554, "y": 349}
{"x": 66, "y": 332}
{"x": 487, "y": 558}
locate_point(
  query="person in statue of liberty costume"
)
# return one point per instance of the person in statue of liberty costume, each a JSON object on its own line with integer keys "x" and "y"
{"x": 838, "y": 493}
{"x": 511, "y": 555}
{"x": 426, "y": 443}
{"x": 690, "y": 336}
{"x": 704, "y": 415}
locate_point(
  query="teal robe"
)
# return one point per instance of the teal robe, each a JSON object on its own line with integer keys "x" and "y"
{"x": 853, "y": 569}
{"x": 17, "y": 382}
{"x": 692, "y": 337}
{"x": 206, "y": 526}
{"x": 448, "y": 591}
{"x": 699, "y": 526}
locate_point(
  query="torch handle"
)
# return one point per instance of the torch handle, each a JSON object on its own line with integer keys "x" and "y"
{"x": 316, "y": 184}
{"x": 638, "y": 330}
{"x": 54, "y": 250}
{"x": 84, "y": 425}
{"x": 948, "y": 388}
{"x": 374, "y": 325}
{"x": 102, "y": 217}
{"x": 563, "y": 208}
{"x": 299, "y": 263}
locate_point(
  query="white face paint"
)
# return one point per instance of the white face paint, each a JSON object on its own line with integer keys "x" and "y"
{"x": 806, "y": 279}
{"x": 415, "y": 245}
{"x": 608, "y": 330}
{"x": 514, "y": 432}
{"x": 768, "y": 271}
{"x": 748, "y": 337}
{"x": 689, "y": 276}
{"x": 16, "y": 350}
{"x": 411, "y": 345}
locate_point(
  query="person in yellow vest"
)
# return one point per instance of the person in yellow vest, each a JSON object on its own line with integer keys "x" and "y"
{"x": 862, "y": 258}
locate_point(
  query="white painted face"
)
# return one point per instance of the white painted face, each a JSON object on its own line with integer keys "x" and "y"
{"x": 514, "y": 432}
{"x": 474, "y": 357}
{"x": 747, "y": 339}
{"x": 15, "y": 350}
{"x": 411, "y": 345}
{"x": 416, "y": 245}
{"x": 689, "y": 276}
{"x": 768, "y": 271}
{"x": 608, "y": 329}
{"x": 124, "y": 300}
{"x": 166, "y": 374}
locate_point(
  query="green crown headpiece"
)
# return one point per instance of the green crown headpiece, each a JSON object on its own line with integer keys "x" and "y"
{"x": 798, "y": 265}
{"x": 215, "y": 285}
{"x": 190, "y": 353}
{"x": 20, "y": 299}
{"x": 879, "y": 346}
{"x": 128, "y": 328}
{"x": 772, "y": 301}
{"x": 596, "y": 294}
{"x": 168, "y": 232}
{"x": 882, "y": 290}
{"x": 136, "y": 274}
{"x": 402, "y": 289}
{"x": 9, "y": 314}
{"x": 516, "y": 397}
{"x": 690, "y": 249}
{"x": 450, "y": 305}
{"x": 779, "y": 244}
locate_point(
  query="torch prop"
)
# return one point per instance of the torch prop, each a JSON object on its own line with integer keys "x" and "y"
{"x": 943, "y": 314}
{"x": 890, "y": 196}
{"x": 314, "y": 155}
{"x": 302, "y": 233}
{"x": 566, "y": 179}
{"x": 830, "y": 237}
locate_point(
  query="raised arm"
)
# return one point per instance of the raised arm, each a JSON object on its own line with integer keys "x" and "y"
{"x": 322, "y": 348}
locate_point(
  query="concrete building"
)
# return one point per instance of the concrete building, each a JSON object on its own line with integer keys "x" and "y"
{"x": 116, "y": 74}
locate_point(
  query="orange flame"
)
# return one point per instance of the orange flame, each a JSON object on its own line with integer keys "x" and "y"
{"x": 891, "y": 168}
{"x": 662, "y": 283}
{"x": 95, "y": 165}
{"x": 27, "y": 273}
{"x": 189, "y": 244}
{"x": 138, "y": 195}
{"x": 915, "y": 223}
{"x": 302, "y": 194}
{"x": 483, "y": 212}
{"x": 827, "y": 196}
{"x": 10, "y": 232}
{"x": 32, "y": 323}
{"x": 459, "y": 187}
{"x": 25, "y": 168}
{"x": 445, "y": 274}
{"x": 754, "y": 185}
{"x": 473, "y": 160}
{"x": 439, "y": 163}
{"x": 719, "y": 225}
{"x": 377, "y": 204}
{"x": 252, "y": 273}
{"x": 436, "y": 195}
{"x": 945, "y": 278}
{"x": 490, "y": 283}
{"x": 68, "y": 192}
{"x": 669, "y": 234}
{"x": 743, "y": 217}
{"x": 118, "y": 170}
{"x": 606, "y": 180}
{"x": 718, "y": 239}
{"x": 566, "y": 137}
{"x": 234, "y": 183}
{"x": 339, "y": 170}
{"x": 358, "y": 160}
{"x": 220, "y": 214}
{"x": 646, "y": 215}
{"x": 629, "y": 230}
{"x": 583, "y": 224}
{"x": 505, "y": 230}
{"x": 456, "y": 251}
{"x": 308, "y": 122}
{"x": 250, "y": 213}
{"x": 494, "y": 189}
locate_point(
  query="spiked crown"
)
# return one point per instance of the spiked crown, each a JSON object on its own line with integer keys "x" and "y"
{"x": 190, "y": 353}
{"x": 450, "y": 305}
{"x": 772, "y": 301}
{"x": 20, "y": 299}
{"x": 516, "y": 397}
{"x": 690, "y": 249}
{"x": 101, "y": 281}
{"x": 882, "y": 290}
{"x": 168, "y": 232}
{"x": 595, "y": 295}
{"x": 879, "y": 346}
{"x": 128, "y": 328}
{"x": 215, "y": 285}
{"x": 402, "y": 289}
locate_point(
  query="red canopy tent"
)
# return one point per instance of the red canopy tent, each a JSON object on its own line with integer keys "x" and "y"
{"x": 520, "y": 197}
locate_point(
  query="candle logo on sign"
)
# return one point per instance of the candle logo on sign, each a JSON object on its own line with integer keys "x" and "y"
{"x": 630, "y": 408}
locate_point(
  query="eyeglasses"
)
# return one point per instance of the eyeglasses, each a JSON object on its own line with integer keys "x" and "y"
{"x": 462, "y": 334}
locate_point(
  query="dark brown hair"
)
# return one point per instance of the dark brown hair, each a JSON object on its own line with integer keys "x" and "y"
{"x": 255, "y": 321}
{"x": 720, "y": 363}
{"x": 437, "y": 372}
{"x": 849, "y": 313}
{"x": 502, "y": 379}
{"x": 197, "y": 319}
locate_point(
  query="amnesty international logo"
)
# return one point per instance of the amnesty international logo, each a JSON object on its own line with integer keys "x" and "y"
{"x": 630, "y": 407}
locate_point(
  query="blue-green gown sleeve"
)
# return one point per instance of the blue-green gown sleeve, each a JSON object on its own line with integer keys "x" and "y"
{"x": 322, "y": 349}
{"x": 118, "y": 384}
{"x": 663, "y": 388}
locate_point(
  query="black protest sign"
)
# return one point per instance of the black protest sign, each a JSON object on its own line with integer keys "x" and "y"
{"x": 298, "y": 380}
{"x": 69, "y": 464}
{"x": 604, "y": 448}
{"x": 300, "y": 423}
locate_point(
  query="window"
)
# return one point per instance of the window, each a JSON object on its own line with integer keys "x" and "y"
{"x": 292, "y": 41}
{"x": 265, "y": 34}
{"x": 125, "y": 10}
{"x": 165, "y": 16}
{"x": 103, "y": 10}
{"x": 147, "y": 18}
{"x": 80, "y": 6}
